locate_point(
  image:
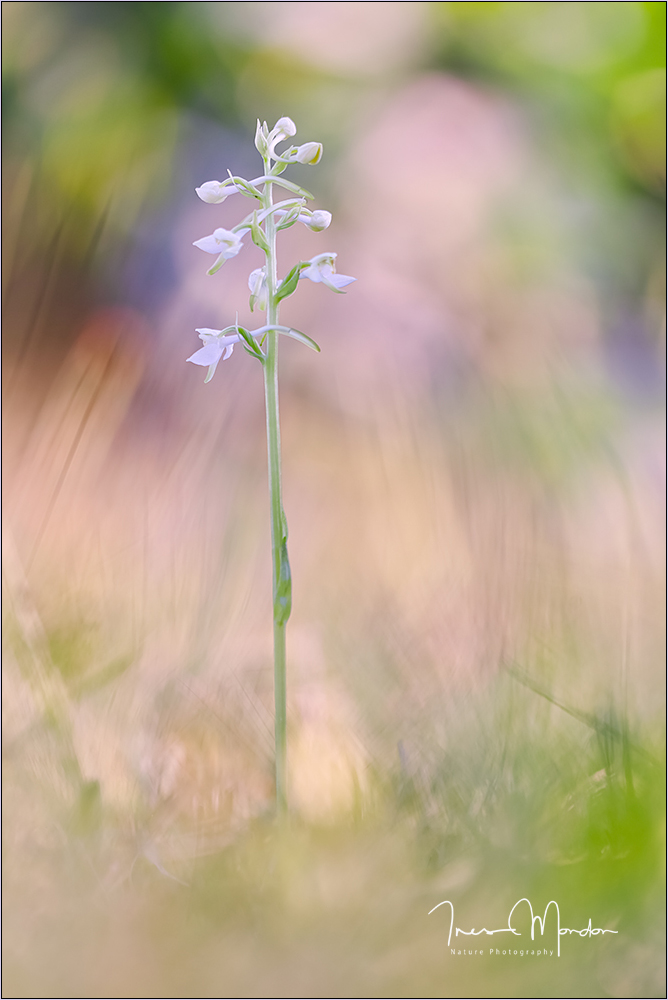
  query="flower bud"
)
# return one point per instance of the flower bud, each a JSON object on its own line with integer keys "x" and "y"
{"x": 309, "y": 153}
{"x": 261, "y": 137}
{"x": 320, "y": 219}
{"x": 214, "y": 192}
{"x": 257, "y": 283}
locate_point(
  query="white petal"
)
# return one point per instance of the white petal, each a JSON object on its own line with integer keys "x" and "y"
{"x": 322, "y": 259}
{"x": 340, "y": 280}
{"x": 222, "y": 241}
{"x": 255, "y": 279}
{"x": 207, "y": 355}
{"x": 209, "y": 244}
{"x": 285, "y": 126}
{"x": 312, "y": 273}
{"x": 205, "y": 333}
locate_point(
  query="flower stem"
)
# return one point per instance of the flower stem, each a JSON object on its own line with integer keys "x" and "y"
{"x": 280, "y": 565}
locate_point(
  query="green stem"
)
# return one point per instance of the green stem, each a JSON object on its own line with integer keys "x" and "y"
{"x": 280, "y": 565}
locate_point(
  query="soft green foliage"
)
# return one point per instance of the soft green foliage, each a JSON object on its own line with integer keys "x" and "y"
{"x": 516, "y": 800}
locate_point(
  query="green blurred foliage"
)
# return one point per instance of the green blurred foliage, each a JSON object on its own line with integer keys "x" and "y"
{"x": 102, "y": 97}
{"x": 594, "y": 74}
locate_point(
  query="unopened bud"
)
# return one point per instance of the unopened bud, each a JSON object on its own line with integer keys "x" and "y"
{"x": 261, "y": 138}
{"x": 319, "y": 220}
{"x": 213, "y": 192}
{"x": 309, "y": 153}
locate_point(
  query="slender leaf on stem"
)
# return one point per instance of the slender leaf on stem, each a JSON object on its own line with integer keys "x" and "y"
{"x": 289, "y": 186}
{"x": 283, "y": 585}
{"x": 246, "y": 187}
{"x": 289, "y": 284}
{"x": 303, "y": 338}
{"x": 257, "y": 235}
{"x": 249, "y": 344}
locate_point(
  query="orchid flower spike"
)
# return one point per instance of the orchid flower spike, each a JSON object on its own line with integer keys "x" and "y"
{"x": 321, "y": 268}
{"x": 264, "y": 223}
{"x": 222, "y": 242}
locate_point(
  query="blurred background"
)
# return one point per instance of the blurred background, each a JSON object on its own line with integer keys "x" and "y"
{"x": 473, "y": 475}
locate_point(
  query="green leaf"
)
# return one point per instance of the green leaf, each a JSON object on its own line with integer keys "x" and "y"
{"x": 249, "y": 344}
{"x": 289, "y": 186}
{"x": 289, "y": 220}
{"x": 283, "y": 585}
{"x": 245, "y": 188}
{"x": 288, "y": 205}
{"x": 278, "y": 168}
{"x": 257, "y": 235}
{"x": 217, "y": 266}
{"x": 301, "y": 337}
{"x": 289, "y": 284}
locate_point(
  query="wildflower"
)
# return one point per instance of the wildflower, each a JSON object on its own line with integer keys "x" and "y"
{"x": 283, "y": 129}
{"x": 266, "y": 141}
{"x": 216, "y": 348}
{"x": 222, "y": 242}
{"x": 264, "y": 222}
{"x": 321, "y": 268}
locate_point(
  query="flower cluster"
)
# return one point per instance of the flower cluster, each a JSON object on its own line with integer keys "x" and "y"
{"x": 263, "y": 223}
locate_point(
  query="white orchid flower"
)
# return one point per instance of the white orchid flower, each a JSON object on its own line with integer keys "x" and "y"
{"x": 215, "y": 192}
{"x": 257, "y": 283}
{"x": 283, "y": 129}
{"x": 266, "y": 141}
{"x": 216, "y": 348}
{"x": 322, "y": 268}
{"x": 223, "y": 242}
{"x": 219, "y": 344}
